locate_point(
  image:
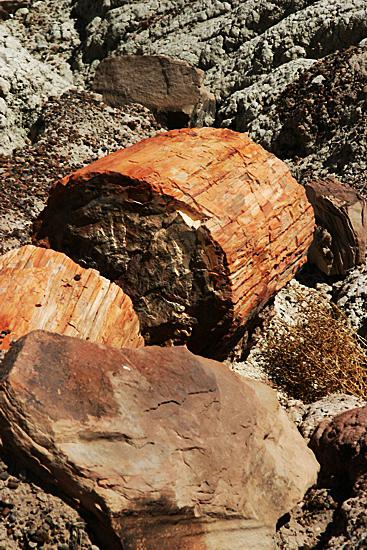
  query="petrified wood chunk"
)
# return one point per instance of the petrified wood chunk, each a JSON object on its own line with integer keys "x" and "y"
{"x": 340, "y": 236}
{"x": 44, "y": 289}
{"x": 340, "y": 444}
{"x": 170, "y": 88}
{"x": 173, "y": 451}
{"x": 200, "y": 227}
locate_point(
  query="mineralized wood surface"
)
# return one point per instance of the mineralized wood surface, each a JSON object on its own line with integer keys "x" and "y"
{"x": 340, "y": 237}
{"x": 199, "y": 226}
{"x": 44, "y": 289}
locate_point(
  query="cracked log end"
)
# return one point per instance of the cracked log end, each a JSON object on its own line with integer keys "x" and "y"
{"x": 44, "y": 289}
{"x": 200, "y": 227}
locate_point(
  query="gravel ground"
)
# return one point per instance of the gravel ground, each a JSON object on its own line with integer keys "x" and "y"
{"x": 72, "y": 131}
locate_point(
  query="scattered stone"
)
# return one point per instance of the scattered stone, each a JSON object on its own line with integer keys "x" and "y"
{"x": 171, "y": 89}
{"x": 69, "y": 130}
{"x": 317, "y": 125}
{"x": 200, "y": 228}
{"x": 197, "y": 452}
{"x": 340, "y": 446}
{"x": 325, "y": 409}
{"x": 339, "y": 242}
{"x": 53, "y": 293}
{"x": 350, "y": 295}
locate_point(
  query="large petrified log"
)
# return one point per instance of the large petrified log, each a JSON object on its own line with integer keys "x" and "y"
{"x": 44, "y": 289}
{"x": 340, "y": 237}
{"x": 173, "y": 451}
{"x": 200, "y": 227}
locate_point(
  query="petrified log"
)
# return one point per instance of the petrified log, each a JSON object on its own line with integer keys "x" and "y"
{"x": 173, "y": 451}
{"x": 200, "y": 227}
{"x": 170, "y": 88}
{"x": 44, "y": 289}
{"x": 340, "y": 236}
{"x": 340, "y": 444}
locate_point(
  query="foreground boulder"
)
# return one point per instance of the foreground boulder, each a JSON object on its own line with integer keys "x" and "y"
{"x": 43, "y": 289}
{"x": 161, "y": 449}
{"x": 171, "y": 89}
{"x": 340, "y": 237}
{"x": 200, "y": 227}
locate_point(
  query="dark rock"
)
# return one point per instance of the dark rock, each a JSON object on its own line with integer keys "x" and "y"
{"x": 340, "y": 445}
{"x": 171, "y": 89}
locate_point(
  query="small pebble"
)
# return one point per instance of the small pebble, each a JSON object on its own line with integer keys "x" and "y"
{"x": 12, "y": 484}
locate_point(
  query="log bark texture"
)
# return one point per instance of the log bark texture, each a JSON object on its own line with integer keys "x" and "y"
{"x": 44, "y": 289}
{"x": 200, "y": 227}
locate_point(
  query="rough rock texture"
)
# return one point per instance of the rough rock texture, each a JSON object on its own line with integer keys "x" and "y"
{"x": 200, "y": 228}
{"x": 171, "y": 89}
{"x": 318, "y": 124}
{"x": 7, "y": 7}
{"x": 325, "y": 409}
{"x": 25, "y": 85}
{"x": 71, "y": 131}
{"x": 340, "y": 447}
{"x": 339, "y": 242}
{"x": 350, "y": 295}
{"x": 47, "y": 31}
{"x": 197, "y": 457}
{"x": 44, "y": 289}
{"x": 236, "y": 42}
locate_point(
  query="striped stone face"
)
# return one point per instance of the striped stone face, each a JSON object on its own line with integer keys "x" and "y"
{"x": 44, "y": 289}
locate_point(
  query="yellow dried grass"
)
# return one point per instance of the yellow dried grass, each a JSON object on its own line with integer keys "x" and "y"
{"x": 318, "y": 355}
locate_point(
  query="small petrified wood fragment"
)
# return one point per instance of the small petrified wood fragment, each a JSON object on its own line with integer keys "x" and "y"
{"x": 200, "y": 227}
{"x": 44, "y": 289}
{"x": 340, "y": 237}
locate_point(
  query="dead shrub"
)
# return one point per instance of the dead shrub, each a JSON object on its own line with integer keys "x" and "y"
{"x": 319, "y": 354}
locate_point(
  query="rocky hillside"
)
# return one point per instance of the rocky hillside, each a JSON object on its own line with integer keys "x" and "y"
{"x": 292, "y": 74}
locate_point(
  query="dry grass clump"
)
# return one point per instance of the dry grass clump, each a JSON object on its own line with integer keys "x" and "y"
{"x": 319, "y": 354}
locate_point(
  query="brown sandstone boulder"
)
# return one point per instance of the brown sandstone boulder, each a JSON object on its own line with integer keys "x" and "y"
{"x": 172, "y": 89}
{"x": 200, "y": 227}
{"x": 161, "y": 449}
{"x": 340, "y": 237}
{"x": 43, "y": 289}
